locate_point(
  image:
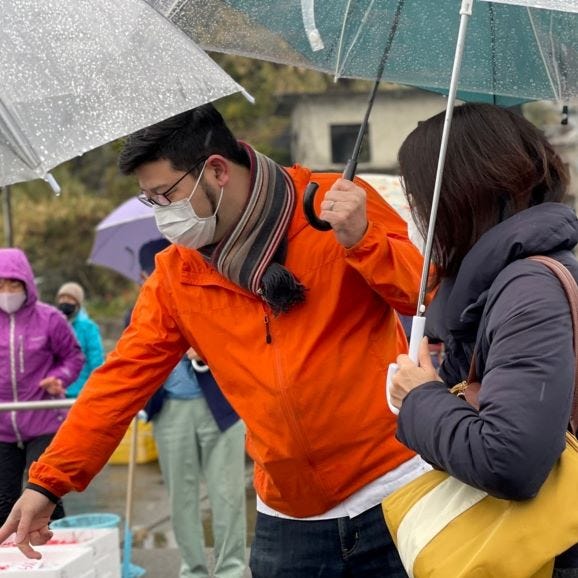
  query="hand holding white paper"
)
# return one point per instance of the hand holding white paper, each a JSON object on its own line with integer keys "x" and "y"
{"x": 416, "y": 335}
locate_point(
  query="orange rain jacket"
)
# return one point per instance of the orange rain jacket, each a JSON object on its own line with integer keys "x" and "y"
{"x": 313, "y": 399}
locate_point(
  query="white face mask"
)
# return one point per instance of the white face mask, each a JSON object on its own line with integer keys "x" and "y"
{"x": 179, "y": 223}
{"x": 11, "y": 302}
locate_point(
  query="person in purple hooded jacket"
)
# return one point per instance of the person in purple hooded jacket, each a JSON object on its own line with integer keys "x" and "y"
{"x": 39, "y": 359}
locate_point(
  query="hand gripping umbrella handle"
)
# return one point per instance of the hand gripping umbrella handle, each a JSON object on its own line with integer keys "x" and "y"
{"x": 417, "y": 331}
{"x": 309, "y": 198}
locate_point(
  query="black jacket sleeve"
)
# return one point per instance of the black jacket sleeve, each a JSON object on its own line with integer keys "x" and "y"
{"x": 509, "y": 447}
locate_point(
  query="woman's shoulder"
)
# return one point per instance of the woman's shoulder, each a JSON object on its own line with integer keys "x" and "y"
{"x": 528, "y": 289}
{"x": 528, "y": 272}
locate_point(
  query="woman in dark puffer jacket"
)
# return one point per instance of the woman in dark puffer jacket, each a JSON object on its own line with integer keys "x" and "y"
{"x": 502, "y": 200}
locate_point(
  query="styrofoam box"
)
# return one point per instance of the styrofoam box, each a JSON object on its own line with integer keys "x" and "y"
{"x": 55, "y": 563}
{"x": 106, "y": 567}
{"x": 102, "y": 542}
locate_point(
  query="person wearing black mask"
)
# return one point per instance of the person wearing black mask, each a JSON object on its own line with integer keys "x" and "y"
{"x": 70, "y": 300}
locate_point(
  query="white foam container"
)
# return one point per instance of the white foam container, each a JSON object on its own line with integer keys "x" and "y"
{"x": 102, "y": 543}
{"x": 55, "y": 563}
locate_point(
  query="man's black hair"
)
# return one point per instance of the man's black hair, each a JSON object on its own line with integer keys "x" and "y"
{"x": 183, "y": 140}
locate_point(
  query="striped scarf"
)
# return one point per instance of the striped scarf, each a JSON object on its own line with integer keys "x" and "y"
{"x": 253, "y": 253}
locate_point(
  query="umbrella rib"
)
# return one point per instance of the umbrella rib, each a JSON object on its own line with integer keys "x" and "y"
{"x": 542, "y": 55}
{"x": 175, "y": 7}
{"x": 340, "y": 46}
{"x": 25, "y": 151}
{"x": 555, "y": 61}
{"x": 354, "y": 41}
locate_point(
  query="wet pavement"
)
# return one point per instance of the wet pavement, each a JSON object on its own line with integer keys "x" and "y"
{"x": 154, "y": 546}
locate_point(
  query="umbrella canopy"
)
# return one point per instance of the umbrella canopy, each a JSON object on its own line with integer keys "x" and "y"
{"x": 75, "y": 74}
{"x": 512, "y": 53}
{"x": 120, "y": 236}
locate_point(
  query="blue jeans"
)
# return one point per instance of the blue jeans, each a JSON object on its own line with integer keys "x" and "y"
{"x": 359, "y": 547}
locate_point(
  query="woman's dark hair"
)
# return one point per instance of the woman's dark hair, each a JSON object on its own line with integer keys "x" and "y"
{"x": 183, "y": 140}
{"x": 497, "y": 164}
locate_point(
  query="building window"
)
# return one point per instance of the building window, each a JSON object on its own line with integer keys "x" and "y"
{"x": 343, "y": 137}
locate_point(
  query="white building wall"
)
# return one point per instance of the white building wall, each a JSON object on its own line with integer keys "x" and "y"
{"x": 395, "y": 114}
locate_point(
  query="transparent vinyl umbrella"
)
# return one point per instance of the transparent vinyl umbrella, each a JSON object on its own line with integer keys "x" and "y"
{"x": 75, "y": 74}
{"x": 513, "y": 54}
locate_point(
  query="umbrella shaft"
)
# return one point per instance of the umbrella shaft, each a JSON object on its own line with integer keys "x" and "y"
{"x": 351, "y": 167}
{"x": 465, "y": 13}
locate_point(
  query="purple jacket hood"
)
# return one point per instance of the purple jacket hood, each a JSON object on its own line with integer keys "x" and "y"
{"x": 14, "y": 265}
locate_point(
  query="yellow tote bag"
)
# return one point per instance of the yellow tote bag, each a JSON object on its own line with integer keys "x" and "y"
{"x": 444, "y": 528}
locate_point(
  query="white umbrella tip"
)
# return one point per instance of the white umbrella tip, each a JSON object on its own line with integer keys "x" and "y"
{"x": 53, "y": 184}
{"x": 248, "y": 96}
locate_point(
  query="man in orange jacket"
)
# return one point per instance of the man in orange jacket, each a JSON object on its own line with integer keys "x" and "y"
{"x": 298, "y": 326}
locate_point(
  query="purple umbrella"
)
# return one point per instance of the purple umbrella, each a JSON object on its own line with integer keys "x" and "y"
{"x": 120, "y": 236}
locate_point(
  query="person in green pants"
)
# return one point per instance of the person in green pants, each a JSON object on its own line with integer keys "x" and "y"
{"x": 200, "y": 437}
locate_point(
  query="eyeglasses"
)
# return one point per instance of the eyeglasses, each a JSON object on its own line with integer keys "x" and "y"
{"x": 162, "y": 199}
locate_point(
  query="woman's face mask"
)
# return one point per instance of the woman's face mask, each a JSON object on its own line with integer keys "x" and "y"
{"x": 414, "y": 234}
{"x": 10, "y": 302}
{"x": 413, "y": 231}
{"x": 69, "y": 309}
{"x": 179, "y": 223}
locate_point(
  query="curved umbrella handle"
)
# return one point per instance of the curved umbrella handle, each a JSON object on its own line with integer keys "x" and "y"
{"x": 309, "y": 195}
{"x": 308, "y": 208}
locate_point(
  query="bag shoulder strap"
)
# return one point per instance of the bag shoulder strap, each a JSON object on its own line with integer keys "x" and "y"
{"x": 571, "y": 290}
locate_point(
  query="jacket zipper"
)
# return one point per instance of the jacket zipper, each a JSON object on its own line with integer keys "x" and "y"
{"x": 21, "y": 354}
{"x": 287, "y": 407}
{"x": 267, "y": 319}
{"x": 14, "y": 381}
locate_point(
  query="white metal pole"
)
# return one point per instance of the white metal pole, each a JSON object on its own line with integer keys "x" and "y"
{"x": 131, "y": 471}
{"x": 32, "y": 405}
{"x": 465, "y": 13}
